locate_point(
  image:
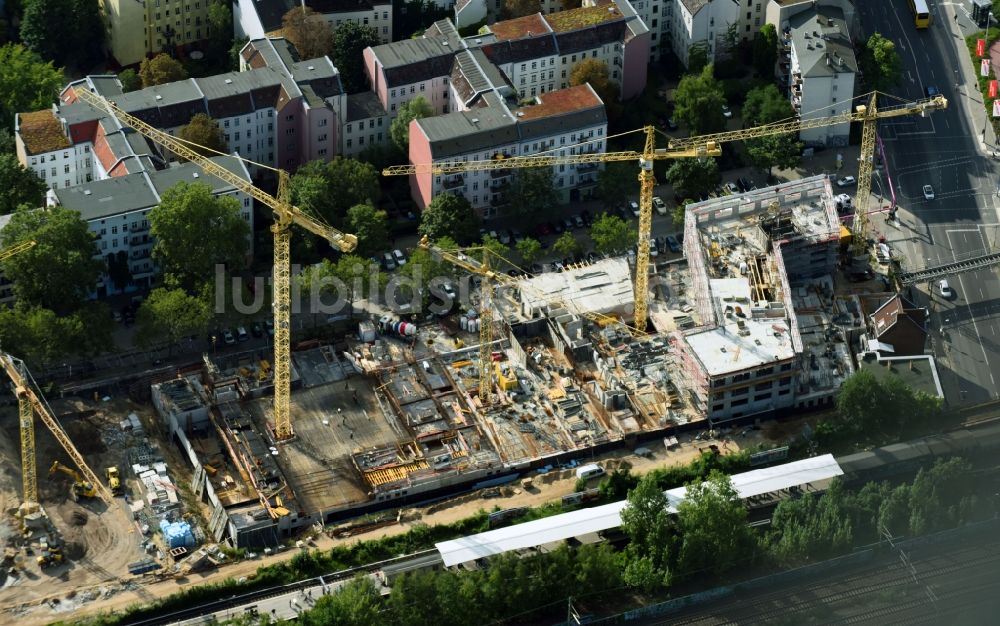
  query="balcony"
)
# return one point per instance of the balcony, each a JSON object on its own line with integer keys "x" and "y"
{"x": 500, "y": 173}
{"x": 587, "y": 167}
{"x": 453, "y": 182}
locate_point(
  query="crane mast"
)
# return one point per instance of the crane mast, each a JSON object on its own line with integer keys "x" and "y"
{"x": 286, "y": 214}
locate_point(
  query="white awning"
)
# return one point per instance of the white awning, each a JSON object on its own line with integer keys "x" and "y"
{"x": 576, "y": 523}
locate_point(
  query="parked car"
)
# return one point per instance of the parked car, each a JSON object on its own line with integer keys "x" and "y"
{"x": 932, "y": 91}
{"x": 516, "y": 236}
{"x": 399, "y": 257}
{"x": 557, "y": 227}
{"x": 228, "y": 337}
{"x": 659, "y": 205}
{"x": 726, "y": 111}
{"x": 578, "y": 221}
{"x": 256, "y": 329}
{"x": 242, "y": 334}
{"x": 928, "y": 192}
{"x": 732, "y": 188}
{"x": 673, "y": 244}
{"x": 634, "y": 208}
{"x": 587, "y": 219}
{"x": 847, "y": 181}
{"x": 269, "y": 326}
{"x": 568, "y": 224}
{"x": 504, "y": 237}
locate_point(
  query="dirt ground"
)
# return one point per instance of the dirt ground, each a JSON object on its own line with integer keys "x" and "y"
{"x": 116, "y": 596}
{"x": 99, "y": 541}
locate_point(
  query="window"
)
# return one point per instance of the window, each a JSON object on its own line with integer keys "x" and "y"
{"x": 784, "y": 392}
{"x": 225, "y": 124}
{"x": 739, "y": 402}
{"x": 763, "y": 386}
{"x": 348, "y": 143}
{"x": 762, "y": 397}
{"x": 784, "y": 382}
{"x": 237, "y": 136}
{"x": 322, "y": 122}
{"x": 53, "y": 171}
{"x": 718, "y": 407}
{"x": 114, "y": 230}
{"x": 322, "y": 152}
{"x": 742, "y": 391}
{"x": 65, "y": 169}
{"x": 323, "y": 138}
{"x": 765, "y": 371}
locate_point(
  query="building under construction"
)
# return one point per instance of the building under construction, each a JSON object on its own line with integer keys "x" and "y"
{"x": 761, "y": 277}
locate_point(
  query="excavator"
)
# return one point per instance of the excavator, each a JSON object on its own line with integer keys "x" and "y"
{"x": 82, "y": 488}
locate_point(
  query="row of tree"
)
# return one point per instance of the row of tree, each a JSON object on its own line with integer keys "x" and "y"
{"x": 707, "y": 537}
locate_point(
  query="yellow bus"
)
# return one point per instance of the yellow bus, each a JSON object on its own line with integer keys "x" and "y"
{"x": 921, "y": 16}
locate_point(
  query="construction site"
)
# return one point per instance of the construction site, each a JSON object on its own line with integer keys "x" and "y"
{"x": 759, "y": 317}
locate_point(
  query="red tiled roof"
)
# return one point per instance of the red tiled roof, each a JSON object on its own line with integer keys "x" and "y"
{"x": 560, "y": 102}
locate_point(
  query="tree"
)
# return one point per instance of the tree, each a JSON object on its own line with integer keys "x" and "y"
{"x": 519, "y": 8}
{"x": 171, "y": 314}
{"x": 18, "y": 185}
{"x": 880, "y": 63}
{"x": 88, "y": 34}
{"x": 872, "y": 409}
{"x": 130, "y": 80}
{"x": 415, "y": 109}
{"x": 195, "y": 231}
{"x": 220, "y": 24}
{"x": 41, "y": 336}
{"x": 712, "y": 525}
{"x": 7, "y": 144}
{"x": 566, "y": 245}
{"x": 47, "y": 35}
{"x": 26, "y": 83}
{"x": 646, "y": 522}
{"x": 449, "y": 215}
{"x": 596, "y": 73}
{"x": 531, "y": 194}
{"x": 329, "y": 188}
{"x": 161, "y": 69}
{"x": 697, "y": 57}
{"x": 615, "y": 183}
{"x": 308, "y": 31}
{"x": 357, "y": 603}
{"x": 611, "y": 233}
{"x": 370, "y": 227}
{"x": 204, "y": 131}
{"x": 349, "y": 43}
{"x": 529, "y": 249}
{"x": 693, "y": 177}
{"x": 766, "y": 105}
{"x": 765, "y": 50}
{"x": 699, "y": 99}
{"x": 679, "y": 212}
{"x": 810, "y": 529}
{"x": 59, "y": 272}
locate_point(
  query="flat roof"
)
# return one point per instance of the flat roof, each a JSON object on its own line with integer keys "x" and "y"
{"x": 41, "y": 132}
{"x": 599, "y": 287}
{"x": 917, "y": 372}
{"x": 584, "y": 17}
{"x": 560, "y": 102}
{"x": 731, "y": 348}
{"x": 585, "y": 521}
{"x": 520, "y": 27}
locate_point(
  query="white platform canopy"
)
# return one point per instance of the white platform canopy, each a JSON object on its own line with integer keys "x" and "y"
{"x": 608, "y": 516}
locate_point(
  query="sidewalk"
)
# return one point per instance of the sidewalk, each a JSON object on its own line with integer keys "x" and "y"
{"x": 971, "y": 99}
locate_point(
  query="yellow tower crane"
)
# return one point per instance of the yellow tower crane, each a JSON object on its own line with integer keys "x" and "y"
{"x": 31, "y": 403}
{"x": 868, "y": 115}
{"x": 647, "y": 182}
{"x": 286, "y": 214}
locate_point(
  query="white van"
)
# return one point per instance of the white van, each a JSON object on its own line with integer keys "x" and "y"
{"x": 589, "y": 471}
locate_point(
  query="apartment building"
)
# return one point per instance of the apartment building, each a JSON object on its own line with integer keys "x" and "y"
{"x": 819, "y": 55}
{"x": 757, "y": 262}
{"x": 752, "y": 16}
{"x": 701, "y": 24}
{"x": 572, "y": 121}
{"x": 401, "y": 71}
{"x": 166, "y": 26}
{"x": 256, "y": 19}
{"x": 116, "y": 210}
{"x": 366, "y": 124}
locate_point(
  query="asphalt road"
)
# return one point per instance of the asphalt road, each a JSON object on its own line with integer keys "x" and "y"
{"x": 947, "y": 151}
